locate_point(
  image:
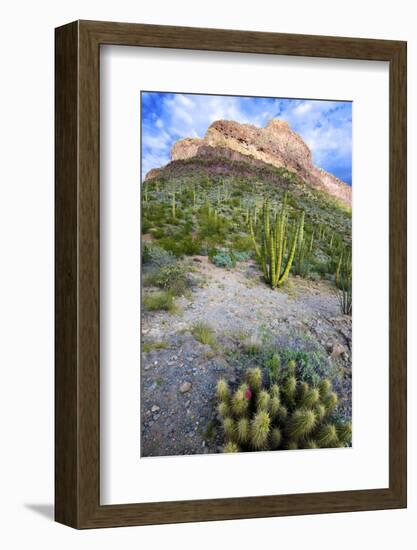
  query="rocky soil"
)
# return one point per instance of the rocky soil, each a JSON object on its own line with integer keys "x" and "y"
{"x": 179, "y": 373}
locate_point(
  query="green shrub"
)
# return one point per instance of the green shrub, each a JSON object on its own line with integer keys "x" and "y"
{"x": 223, "y": 258}
{"x": 241, "y": 256}
{"x": 149, "y": 346}
{"x": 180, "y": 245}
{"x": 173, "y": 278}
{"x": 157, "y": 256}
{"x": 159, "y": 301}
{"x": 157, "y": 232}
{"x": 146, "y": 225}
{"x": 204, "y": 334}
{"x": 242, "y": 244}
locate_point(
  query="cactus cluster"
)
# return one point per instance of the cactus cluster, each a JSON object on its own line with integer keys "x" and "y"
{"x": 278, "y": 243}
{"x": 289, "y": 414}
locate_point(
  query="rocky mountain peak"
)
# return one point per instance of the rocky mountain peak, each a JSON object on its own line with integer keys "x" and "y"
{"x": 275, "y": 144}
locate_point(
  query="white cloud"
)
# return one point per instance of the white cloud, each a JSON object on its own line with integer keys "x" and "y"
{"x": 324, "y": 127}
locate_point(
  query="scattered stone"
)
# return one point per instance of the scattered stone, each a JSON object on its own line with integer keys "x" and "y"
{"x": 185, "y": 387}
{"x": 155, "y": 408}
{"x": 329, "y": 346}
{"x": 337, "y": 350}
{"x": 187, "y": 394}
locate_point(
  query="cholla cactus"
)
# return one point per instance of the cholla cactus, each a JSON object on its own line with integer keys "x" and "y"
{"x": 231, "y": 447}
{"x": 326, "y": 436}
{"x": 224, "y": 409}
{"x": 223, "y": 392}
{"x": 274, "y": 406}
{"x": 242, "y": 430}
{"x": 263, "y": 400}
{"x": 289, "y": 414}
{"x": 344, "y": 433}
{"x": 276, "y": 438}
{"x": 229, "y": 428}
{"x": 240, "y": 402}
{"x": 260, "y": 430}
{"x": 254, "y": 379}
{"x": 301, "y": 423}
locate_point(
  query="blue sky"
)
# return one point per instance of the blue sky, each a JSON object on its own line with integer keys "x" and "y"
{"x": 326, "y": 126}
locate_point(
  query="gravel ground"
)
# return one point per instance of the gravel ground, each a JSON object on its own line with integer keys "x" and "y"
{"x": 178, "y": 381}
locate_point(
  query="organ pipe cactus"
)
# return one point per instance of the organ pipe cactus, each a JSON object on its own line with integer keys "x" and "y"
{"x": 343, "y": 278}
{"x": 278, "y": 243}
{"x": 287, "y": 414}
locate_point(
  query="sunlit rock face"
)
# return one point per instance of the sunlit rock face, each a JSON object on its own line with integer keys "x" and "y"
{"x": 276, "y": 144}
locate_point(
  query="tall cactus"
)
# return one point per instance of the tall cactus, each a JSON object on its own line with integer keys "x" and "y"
{"x": 279, "y": 242}
{"x": 173, "y": 205}
{"x": 343, "y": 279}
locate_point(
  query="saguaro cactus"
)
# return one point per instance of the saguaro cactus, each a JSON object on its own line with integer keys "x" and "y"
{"x": 173, "y": 205}
{"x": 279, "y": 241}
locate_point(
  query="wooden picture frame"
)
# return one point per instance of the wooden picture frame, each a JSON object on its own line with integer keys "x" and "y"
{"x": 77, "y": 382}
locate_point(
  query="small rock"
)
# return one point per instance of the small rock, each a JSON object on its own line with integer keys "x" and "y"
{"x": 155, "y": 408}
{"x": 185, "y": 386}
{"x": 337, "y": 351}
{"x": 329, "y": 346}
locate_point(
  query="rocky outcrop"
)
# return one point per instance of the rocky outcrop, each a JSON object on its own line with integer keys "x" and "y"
{"x": 276, "y": 145}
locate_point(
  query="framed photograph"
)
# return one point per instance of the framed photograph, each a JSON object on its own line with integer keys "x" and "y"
{"x": 230, "y": 274}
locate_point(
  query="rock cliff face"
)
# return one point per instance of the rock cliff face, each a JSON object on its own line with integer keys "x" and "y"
{"x": 276, "y": 145}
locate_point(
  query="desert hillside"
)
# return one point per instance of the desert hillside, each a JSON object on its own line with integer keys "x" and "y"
{"x": 246, "y": 264}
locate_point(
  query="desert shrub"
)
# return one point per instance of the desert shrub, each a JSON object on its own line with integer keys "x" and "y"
{"x": 191, "y": 246}
{"x": 287, "y": 415}
{"x": 180, "y": 246}
{"x": 212, "y": 225}
{"x": 159, "y": 301}
{"x": 241, "y": 256}
{"x": 156, "y": 256}
{"x": 223, "y": 258}
{"x": 156, "y": 213}
{"x": 242, "y": 244}
{"x": 149, "y": 346}
{"x": 157, "y": 232}
{"x": 204, "y": 334}
{"x": 146, "y": 225}
{"x": 310, "y": 366}
{"x": 314, "y": 276}
{"x": 173, "y": 278}
{"x": 252, "y": 344}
